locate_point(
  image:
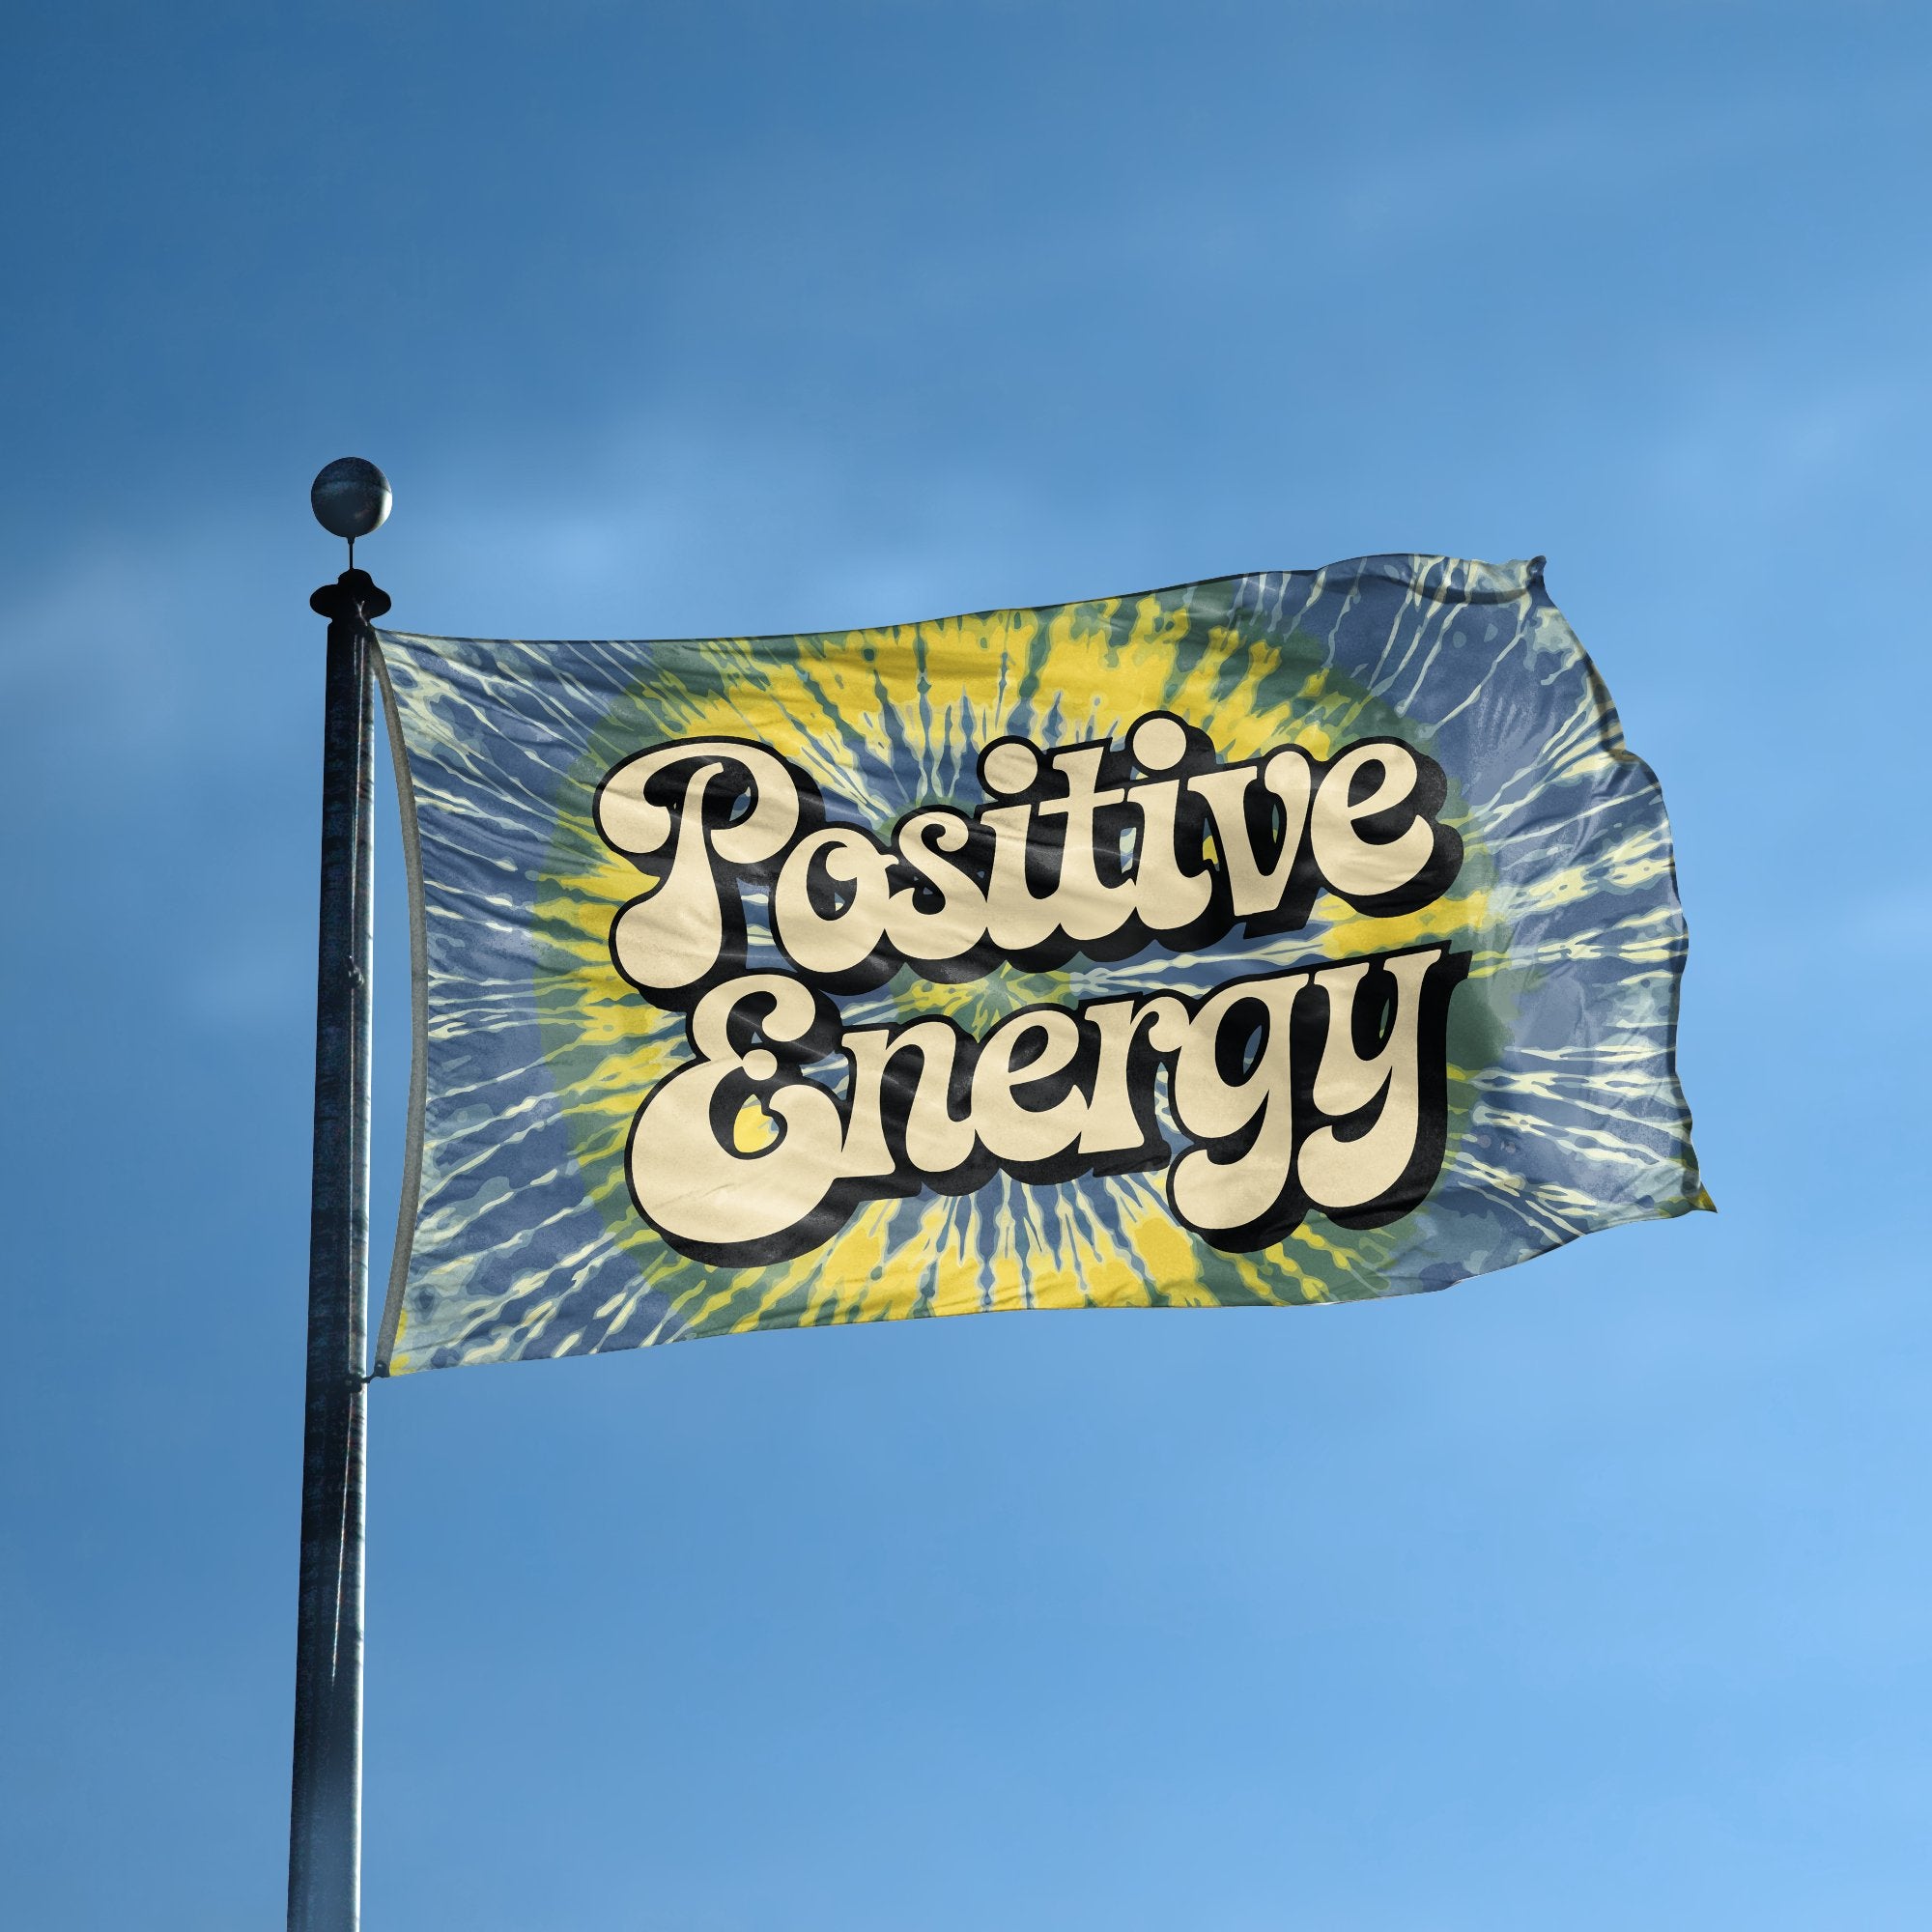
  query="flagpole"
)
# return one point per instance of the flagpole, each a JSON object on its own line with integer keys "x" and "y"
{"x": 326, "y": 1804}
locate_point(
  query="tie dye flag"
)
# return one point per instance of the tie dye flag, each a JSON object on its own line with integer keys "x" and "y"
{"x": 1302, "y": 937}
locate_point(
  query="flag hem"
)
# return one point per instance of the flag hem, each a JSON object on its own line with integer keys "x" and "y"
{"x": 410, "y": 1201}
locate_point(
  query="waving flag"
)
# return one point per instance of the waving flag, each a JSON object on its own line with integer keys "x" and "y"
{"x": 1300, "y": 937}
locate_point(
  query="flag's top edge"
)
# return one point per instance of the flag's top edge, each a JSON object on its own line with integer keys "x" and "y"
{"x": 1446, "y": 579}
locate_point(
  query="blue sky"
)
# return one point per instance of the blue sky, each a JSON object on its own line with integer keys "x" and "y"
{"x": 1589, "y": 1594}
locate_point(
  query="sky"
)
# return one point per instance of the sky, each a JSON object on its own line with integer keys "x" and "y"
{"x": 1592, "y": 1594}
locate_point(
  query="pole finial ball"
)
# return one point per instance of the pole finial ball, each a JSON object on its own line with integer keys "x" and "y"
{"x": 350, "y": 497}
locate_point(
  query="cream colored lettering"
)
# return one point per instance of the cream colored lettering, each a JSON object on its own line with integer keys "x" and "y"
{"x": 1172, "y": 856}
{"x": 1286, "y": 776}
{"x": 1017, "y": 918}
{"x": 1341, "y": 1175}
{"x": 1264, "y": 1078}
{"x": 1113, "y": 1123}
{"x": 687, "y": 1175}
{"x": 1219, "y": 1192}
{"x": 1356, "y": 867}
{"x": 1319, "y": 1086}
{"x": 674, "y": 934}
{"x": 1168, "y": 896}
{"x": 958, "y": 924}
{"x": 828, "y": 942}
{"x": 1012, "y": 1132}
{"x": 935, "y": 1141}
{"x": 1085, "y": 907}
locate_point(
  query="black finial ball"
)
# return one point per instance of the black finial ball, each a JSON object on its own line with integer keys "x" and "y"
{"x": 350, "y": 497}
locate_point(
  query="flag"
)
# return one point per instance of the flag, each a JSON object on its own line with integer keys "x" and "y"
{"x": 1307, "y": 936}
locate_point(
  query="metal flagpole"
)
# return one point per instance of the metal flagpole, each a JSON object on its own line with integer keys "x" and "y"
{"x": 351, "y": 498}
